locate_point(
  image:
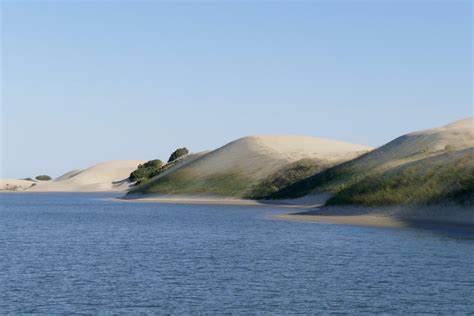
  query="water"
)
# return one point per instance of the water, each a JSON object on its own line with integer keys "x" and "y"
{"x": 85, "y": 253}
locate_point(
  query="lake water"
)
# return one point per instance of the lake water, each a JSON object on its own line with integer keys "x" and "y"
{"x": 86, "y": 253}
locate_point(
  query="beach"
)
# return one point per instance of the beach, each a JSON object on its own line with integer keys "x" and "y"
{"x": 304, "y": 203}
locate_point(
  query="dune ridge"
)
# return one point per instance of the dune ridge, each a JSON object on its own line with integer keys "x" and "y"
{"x": 15, "y": 184}
{"x": 421, "y": 144}
{"x": 103, "y": 177}
{"x": 436, "y": 147}
{"x": 233, "y": 169}
{"x": 68, "y": 175}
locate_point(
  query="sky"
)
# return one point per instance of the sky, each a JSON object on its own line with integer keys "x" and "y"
{"x": 89, "y": 81}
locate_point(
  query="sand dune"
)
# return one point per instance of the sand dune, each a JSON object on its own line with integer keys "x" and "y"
{"x": 68, "y": 175}
{"x": 15, "y": 184}
{"x": 103, "y": 177}
{"x": 261, "y": 155}
{"x": 423, "y": 146}
{"x": 234, "y": 168}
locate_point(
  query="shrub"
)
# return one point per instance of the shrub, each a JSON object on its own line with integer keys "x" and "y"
{"x": 156, "y": 163}
{"x": 147, "y": 170}
{"x": 28, "y": 179}
{"x": 180, "y": 152}
{"x": 43, "y": 177}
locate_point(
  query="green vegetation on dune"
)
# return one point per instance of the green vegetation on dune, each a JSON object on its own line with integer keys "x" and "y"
{"x": 43, "y": 177}
{"x": 233, "y": 183}
{"x": 445, "y": 178}
{"x": 178, "y": 153}
{"x": 331, "y": 179}
{"x": 152, "y": 168}
{"x": 285, "y": 177}
{"x": 464, "y": 192}
{"x": 184, "y": 181}
{"x": 147, "y": 170}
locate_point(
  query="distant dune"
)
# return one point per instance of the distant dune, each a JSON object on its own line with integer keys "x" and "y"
{"x": 15, "y": 184}
{"x": 430, "y": 166}
{"x": 238, "y": 167}
{"x": 68, "y": 175}
{"x": 103, "y": 177}
{"x": 421, "y": 144}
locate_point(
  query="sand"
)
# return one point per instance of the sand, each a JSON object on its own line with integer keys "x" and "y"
{"x": 68, "y": 175}
{"x": 15, "y": 184}
{"x": 421, "y": 144}
{"x": 110, "y": 176}
{"x": 396, "y": 216}
{"x": 458, "y": 135}
{"x": 260, "y": 156}
{"x": 307, "y": 202}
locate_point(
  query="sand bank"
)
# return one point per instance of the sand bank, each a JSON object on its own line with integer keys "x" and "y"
{"x": 397, "y": 216}
{"x": 308, "y": 202}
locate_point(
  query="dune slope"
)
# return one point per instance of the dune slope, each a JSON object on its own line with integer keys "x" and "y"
{"x": 16, "y": 184}
{"x": 429, "y": 165}
{"x": 238, "y": 168}
{"x": 448, "y": 177}
{"x": 68, "y": 175}
{"x": 106, "y": 176}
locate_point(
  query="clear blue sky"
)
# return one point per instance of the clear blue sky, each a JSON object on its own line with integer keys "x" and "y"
{"x": 89, "y": 81}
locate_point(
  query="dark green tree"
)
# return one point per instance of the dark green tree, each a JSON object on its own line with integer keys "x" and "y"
{"x": 180, "y": 152}
{"x": 43, "y": 177}
{"x": 146, "y": 170}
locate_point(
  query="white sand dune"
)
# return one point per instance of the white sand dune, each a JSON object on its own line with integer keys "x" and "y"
{"x": 452, "y": 137}
{"x": 15, "y": 184}
{"x": 235, "y": 167}
{"x": 413, "y": 160}
{"x": 68, "y": 175}
{"x": 103, "y": 177}
{"x": 258, "y": 156}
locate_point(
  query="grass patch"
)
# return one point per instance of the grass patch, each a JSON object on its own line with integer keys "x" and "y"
{"x": 285, "y": 177}
{"x": 184, "y": 181}
{"x": 332, "y": 179}
{"x": 444, "y": 178}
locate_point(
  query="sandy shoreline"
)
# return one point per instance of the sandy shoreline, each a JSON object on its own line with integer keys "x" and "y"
{"x": 378, "y": 221}
{"x": 218, "y": 201}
